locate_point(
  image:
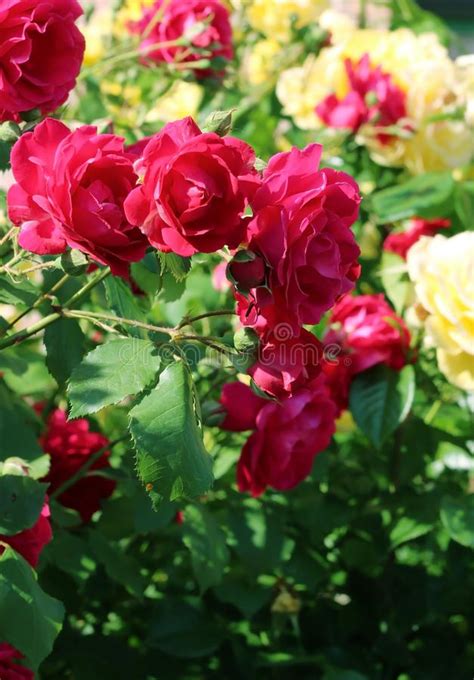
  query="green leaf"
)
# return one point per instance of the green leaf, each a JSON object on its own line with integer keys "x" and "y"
{"x": 207, "y": 545}
{"x": 146, "y": 273}
{"x": 124, "y": 304}
{"x": 30, "y": 620}
{"x": 427, "y": 195}
{"x": 119, "y": 567}
{"x": 170, "y": 453}
{"x": 21, "y": 500}
{"x": 457, "y": 515}
{"x": 64, "y": 342}
{"x": 394, "y": 275}
{"x": 407, "y": 529}
{"x": 182, "y": 630}
{"x": 23, "y": 293}
{"x": 464, "y": 204}
{"x": 177, "y": 265}
{"x": 112, "y": 372}
{"x": 380, "y": 399}
{"x": 17, "y": 436}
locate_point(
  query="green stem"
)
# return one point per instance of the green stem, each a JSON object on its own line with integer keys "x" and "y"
{"x": 192, "y": 319}
{"x": 76, "y": 313}
{"x": 85, "y": 468}
{"x": 39, "y": 301}
{"x": 26, "y": 333}
{"x": 13, "y": 261}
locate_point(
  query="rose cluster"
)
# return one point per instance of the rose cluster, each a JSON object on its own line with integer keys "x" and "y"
{"x": 300, "y": 258}
{"x": 186, "y": 191}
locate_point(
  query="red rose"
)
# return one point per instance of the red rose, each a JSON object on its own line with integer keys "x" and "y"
{"x": 288, "y": 436}
{"x": 365, "y": 331}
{"x": 241, "y": 406}
{"x": 70, "y": 192}
{"x": 181, "y": 18}
{"x": 302, "y": 229}
{"x": 401, "y": 242}
{"x": 247, "y": 270}
{"x": 286, "y": 361}
{"x": 70, "y": 445}
{"x": 10, "y": 669}
{"x": 41, "y": 51}
{"x": 373, "y": 98}
{"x": 30, "y": 542}
{"x": 195, "y": 190}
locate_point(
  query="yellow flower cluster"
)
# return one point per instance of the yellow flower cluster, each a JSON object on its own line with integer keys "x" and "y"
{"x": 274, "y": 18}
{"x": 419, "y": 65}
{"x": 442, "y": 270}
{"x": 98, "y": 34}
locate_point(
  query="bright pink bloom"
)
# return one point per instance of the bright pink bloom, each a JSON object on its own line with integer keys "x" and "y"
{"x": 195, "y": 190}
{"x": 365, "y": 331}
{"x": 70, "y": 191}
{"x": 30, "y": 542}
{"x": 179, "y": 18}
{"x": 373, "y": 98}
{"x": 241, "y": 406}
{"x": 401, "y": 242}
{"x": 287, "y": 362}
{"x": 288, "y": 436}
{"x": 10, "y": 669}
{"x": 302, "y": 229}
{"x": 41, "y": 51}
{"x": 70, "y": 445}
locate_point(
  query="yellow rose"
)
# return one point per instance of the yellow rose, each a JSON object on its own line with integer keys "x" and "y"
{"x": 442, "y": 270}
{"x": 465, "y": 84}
{"x": 182, "y": 99}
{"x": 339, "y": 25}
{"x": 131, "y": 10}
{"x": 262, "y": 61}
{"x": 274, "y": 18}
{"x": 98, "y": 33}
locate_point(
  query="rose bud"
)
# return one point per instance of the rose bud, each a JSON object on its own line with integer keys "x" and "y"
{"x": 246, "y": 270}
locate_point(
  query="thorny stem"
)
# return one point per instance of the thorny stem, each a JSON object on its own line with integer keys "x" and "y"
{"x": 26, "y": 333}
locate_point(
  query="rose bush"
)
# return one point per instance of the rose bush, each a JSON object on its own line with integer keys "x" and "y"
{"x": 235, "y": 342}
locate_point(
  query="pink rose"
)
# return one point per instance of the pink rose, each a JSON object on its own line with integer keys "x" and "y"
{"x": 30, "y": 542}
{"x": 196, "y": 187}
{"x": 373, "y": 98}
{"x": 10, "y": 668}
{"x": 241, "y": 406}
{"x": 70, "y": 445}
{"x": 180, "y": 18}
{"x": 401, "y": 242}
{"x": 286, "y": 361}
{"x": 41, "y": 51}
{"x": 301, "y": 228}
{"x": 220, "y": 282}
{"x": 368, "y": 332}
{"x": 70, "y": 191}
{"x": 288, "y": 436}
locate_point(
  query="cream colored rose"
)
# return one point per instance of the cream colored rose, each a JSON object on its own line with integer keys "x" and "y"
{"x": 442, "y": 270}
{"x": 182, "y": 99}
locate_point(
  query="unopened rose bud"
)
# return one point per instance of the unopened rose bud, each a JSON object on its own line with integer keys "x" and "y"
{"x": 246, "y": 340}
{"x": 219, "y": 122}
{"x": 14, "y": 466}
{"x": 246, "y": 270}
